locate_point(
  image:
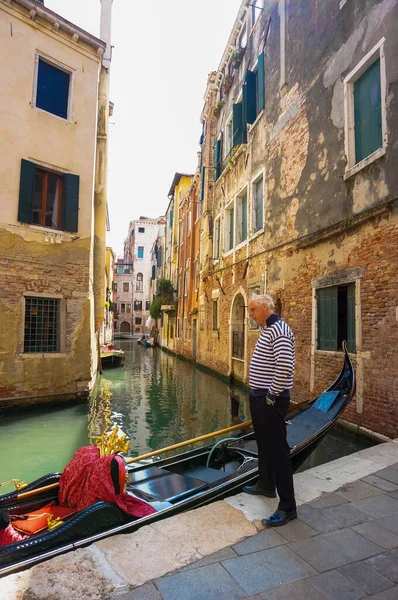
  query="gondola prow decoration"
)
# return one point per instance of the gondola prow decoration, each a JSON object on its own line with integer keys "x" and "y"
{"x": 19, "y": 485}
{"x": 112, "y": 443}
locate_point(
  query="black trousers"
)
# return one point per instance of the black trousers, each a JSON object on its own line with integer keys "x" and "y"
{"x": 275, "y": 465}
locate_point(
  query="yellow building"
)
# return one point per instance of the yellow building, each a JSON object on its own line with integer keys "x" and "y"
{"x": 50, "y": 223}
{"x": 174, "y": 233}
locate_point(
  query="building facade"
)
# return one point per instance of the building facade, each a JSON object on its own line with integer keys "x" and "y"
{"x": 300, "y": 196}
{"x": 51, "y": 89}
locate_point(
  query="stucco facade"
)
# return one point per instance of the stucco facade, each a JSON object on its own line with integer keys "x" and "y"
{"x": 42, "y": 259}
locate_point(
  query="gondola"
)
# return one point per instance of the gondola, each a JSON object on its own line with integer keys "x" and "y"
{"x": 111, "y": 356}
{"x": 172, "y": 485}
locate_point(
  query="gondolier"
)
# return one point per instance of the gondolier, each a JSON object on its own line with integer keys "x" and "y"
{"x": 271, "y": 378}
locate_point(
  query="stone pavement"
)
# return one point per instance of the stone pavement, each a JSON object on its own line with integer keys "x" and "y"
{"x": 343, "y": 546}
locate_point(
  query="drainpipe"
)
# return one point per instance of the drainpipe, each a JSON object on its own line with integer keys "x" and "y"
{"x": 101, "y": 168}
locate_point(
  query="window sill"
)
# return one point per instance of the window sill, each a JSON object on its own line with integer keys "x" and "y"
{"x": 337, "y": 353}
{"x": 228, "y": 253}
{"x": 241, "y": 244}
{"x": 364, "y": 163}
{"x": 46, "y": 112}
{"x": 253, "y": 125}
{"x": 242, "y": 360}
{"x": 28, "y": 355}
{"x": 256, "y": 234}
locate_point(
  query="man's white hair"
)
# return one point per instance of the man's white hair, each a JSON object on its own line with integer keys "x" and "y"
{"x": 261, "y": 299}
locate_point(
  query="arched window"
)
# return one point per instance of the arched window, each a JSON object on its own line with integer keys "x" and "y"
{"x": 139, "y": 282}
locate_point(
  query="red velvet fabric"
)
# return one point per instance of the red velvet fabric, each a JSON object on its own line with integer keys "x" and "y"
{"x": 87, "y": 479}
{"x": 10, "y": 535}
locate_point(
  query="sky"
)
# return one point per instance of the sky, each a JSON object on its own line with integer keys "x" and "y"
{"x": 163, "y": 52}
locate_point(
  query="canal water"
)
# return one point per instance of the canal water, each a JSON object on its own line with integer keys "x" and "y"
{"x": 156, "y": 398}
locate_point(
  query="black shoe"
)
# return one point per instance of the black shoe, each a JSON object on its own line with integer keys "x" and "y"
{"x": 279, "y": 518}
{"x": 257, "y": 490}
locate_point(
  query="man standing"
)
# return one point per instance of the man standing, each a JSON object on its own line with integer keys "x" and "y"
{"x": 271, "y": 379}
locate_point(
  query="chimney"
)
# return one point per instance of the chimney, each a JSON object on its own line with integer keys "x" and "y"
{"x": 105, "y": 31}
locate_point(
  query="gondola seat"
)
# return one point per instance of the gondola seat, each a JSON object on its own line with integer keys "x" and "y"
{"x": 154, "y": 484}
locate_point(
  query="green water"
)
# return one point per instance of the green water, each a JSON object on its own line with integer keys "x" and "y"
{"x": 155, "y": 398}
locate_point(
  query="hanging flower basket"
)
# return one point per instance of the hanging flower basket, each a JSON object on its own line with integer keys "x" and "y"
{"x": 237, "y": 57}
{"x": 226, "y": 84}
{"x": 217, "y": 109}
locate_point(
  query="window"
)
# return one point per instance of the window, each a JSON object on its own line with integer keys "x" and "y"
{"x": 52, "y": 90}
{"x": 201, "y": 317}
{"x": 123, "y": 307}
{"x": 128, "y": 307}
{"x": 215, "y": 315}
{"x": 48, "y": 198}
{"x": 140, "y": 253}
{"x": 138, "y": 320}
{"x": 137, "y": 305}
{"x": 139, "y": 282}
{"x": 120, "y": 270}
{"x": 147, "y": 305}
{"x": 217, "y": 158}
{"x": 189, "y": 222}
{"x": 229, "y": 228}
{"x": 336, "y": 317}
{"x": 141, "y": 229}
{"x": 241, "y": 218}
{"x": 256, "y": 6}
{"x": 216, "y": 239}
{"x": 126, "y": 287}
{"x": 114, "y": 286}
{"x": 258, "y": 204}
{"x": 42, "y": 325}
{"x": 153, "y": 276}
{"x": 365, "y": 122}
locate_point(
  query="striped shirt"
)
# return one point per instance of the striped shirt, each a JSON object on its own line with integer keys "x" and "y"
{"x": 272, "y": 363}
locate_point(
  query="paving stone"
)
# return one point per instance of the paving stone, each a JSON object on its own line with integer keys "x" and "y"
{"x": 265, "y": 570}
{"x": 381, "y": 506}
{"x": 390, "y": 523}
{"x": 389, "y": 473}
{"x": 391, "y": 594}
{"x": 346, "y": 515}
{"x": 367, "y": 578}
{"x": 211, "y": 583}
{"x": 374, "y": 532}
{"x": 145, "y": 592}
{"x": 358, "y": 490}
{"x": 212, "y": 558}
{"x": 331, "y": 499}
{"x": 334, "y": 586}
{"x": 393, "y": 494}
{"x": 297, "y": 530}
{"x": 383, "y": 484}
{"x": 335, "y": 549}
{"x": 299, "y": 590}
{"x": 315, "y": 519}
{"x": 263, "y": 540}
{"x": 386, "y": 564}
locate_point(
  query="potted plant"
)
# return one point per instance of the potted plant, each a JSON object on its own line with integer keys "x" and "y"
{"x": 226, "y": 84}
{"x": 217, "y": 109}
{"x": 237, "y": 57}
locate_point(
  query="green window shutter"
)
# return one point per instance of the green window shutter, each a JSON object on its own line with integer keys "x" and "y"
{"x": 70, "y": 199}
{"x": 244, "y": 107}
{"x": 244, "y": 218}
{"x": 237, "y": 124}
{"x": 351, "y": 342}
{"x": 367, "y": 112}
{"x": 260, "y": 82}
{"x": 251, "y": 83}
{"x": 217, "y": 156}
{"x": 327, "y": 318}
{"x": 26, "y": 184}
{"x": 202, "y": 184}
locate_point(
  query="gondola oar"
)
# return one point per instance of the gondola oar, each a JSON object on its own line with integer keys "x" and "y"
{"x": 52, "y": 486}
{"x": 188, "y": 442}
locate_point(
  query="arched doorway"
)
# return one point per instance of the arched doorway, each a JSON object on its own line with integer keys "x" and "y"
{"x": 238, "y": 314}
{"x": 125, "y": 327}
